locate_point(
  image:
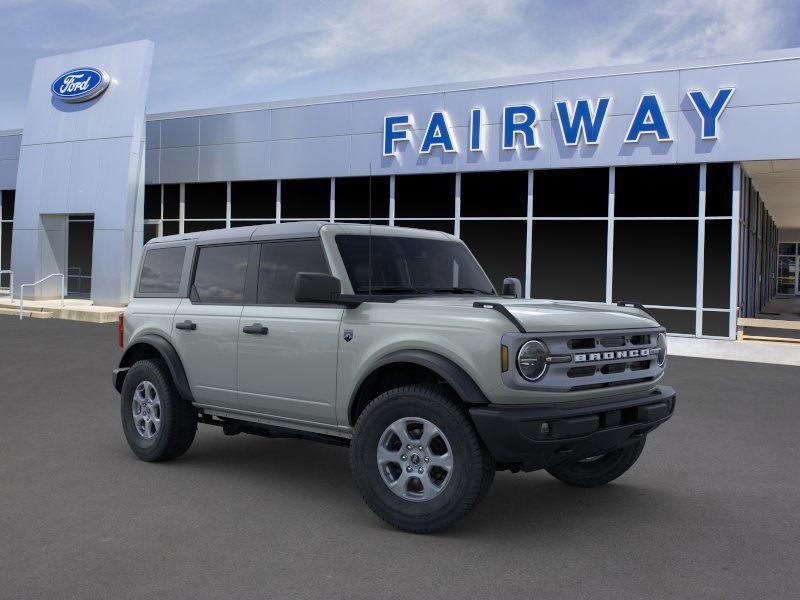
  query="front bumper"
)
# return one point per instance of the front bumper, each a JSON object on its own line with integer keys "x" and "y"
{"x": 535, "y": 437}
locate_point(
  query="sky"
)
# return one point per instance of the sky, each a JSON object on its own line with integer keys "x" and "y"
{"x": 222, "y": 52}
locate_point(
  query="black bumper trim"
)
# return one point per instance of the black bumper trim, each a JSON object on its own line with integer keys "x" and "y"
{"x": 535, "y": 437}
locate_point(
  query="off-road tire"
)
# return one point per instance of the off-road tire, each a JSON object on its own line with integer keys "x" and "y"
{"x": 600, "y": 471}
{"x": 473, "y": 466}
{"x": 178, "y": 418}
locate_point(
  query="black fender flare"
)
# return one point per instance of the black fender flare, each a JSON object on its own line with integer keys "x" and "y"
{"x": 454, "y": 375}
{"x": 167, "y": 352}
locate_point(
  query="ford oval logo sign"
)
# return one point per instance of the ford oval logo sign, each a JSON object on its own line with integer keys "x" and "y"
{"x": 80, "y": 85}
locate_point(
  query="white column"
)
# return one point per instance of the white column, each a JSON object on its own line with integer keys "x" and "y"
{"x": 529, "y": 236}
{"x": 228, "y": 205}
{"x": 278, "y": 202}
{"x": 333, "y": 199}
{"x": 457, "y": 226}
{"x": 391, "y": 200}
{"x": 736, "y": 204}
{"x": 161, "y": 214}
{"x": 612, "y": 182}
{"x": 182, "y": 207}
{"x": 701, "y": 250}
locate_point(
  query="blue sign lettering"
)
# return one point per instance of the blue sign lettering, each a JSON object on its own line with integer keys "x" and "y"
{"x": 391, "y": 135}
{"x": 437, "y": 134}
{"x": 519, "y": 120}
{"x": 585, "y": 119}
{"x": 710, "y": 113}
{"x": 475, "y": 133}
{"x": 648, "y": 118}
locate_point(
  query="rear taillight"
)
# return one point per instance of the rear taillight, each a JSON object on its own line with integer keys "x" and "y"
{"x": 121, "y": 331}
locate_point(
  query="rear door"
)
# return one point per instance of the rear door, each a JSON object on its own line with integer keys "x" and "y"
{"x": 206, "y": 325}
{"x": 288, "y": 351}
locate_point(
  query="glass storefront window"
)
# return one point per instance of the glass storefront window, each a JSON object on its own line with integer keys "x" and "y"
{"x": 570, "y": 193}
{"x": 306, "y": 199}
{"x": 253, "y": 199}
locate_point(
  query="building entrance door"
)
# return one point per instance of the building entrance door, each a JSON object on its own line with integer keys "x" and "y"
{"x": 80, "y": 232}
{"x": 787, "y": 274}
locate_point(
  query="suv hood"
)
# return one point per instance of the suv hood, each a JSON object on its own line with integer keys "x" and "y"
{"x": 550, "y": 315}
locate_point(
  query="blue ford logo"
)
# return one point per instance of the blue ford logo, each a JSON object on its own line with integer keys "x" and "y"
{"x": 80, "y": 85}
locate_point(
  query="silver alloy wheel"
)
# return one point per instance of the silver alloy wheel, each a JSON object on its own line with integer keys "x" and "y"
{"x": 146, "y": 408}
{"x": 415, "y": 459}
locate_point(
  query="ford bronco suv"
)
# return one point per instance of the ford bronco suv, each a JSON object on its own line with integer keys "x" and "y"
{"x": 391, "y": 341}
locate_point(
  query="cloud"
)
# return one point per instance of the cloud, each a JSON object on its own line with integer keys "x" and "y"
{"x": 215, "y": 52}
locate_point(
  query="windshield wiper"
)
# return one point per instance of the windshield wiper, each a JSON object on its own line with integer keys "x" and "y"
{"x": 462, "y": 290}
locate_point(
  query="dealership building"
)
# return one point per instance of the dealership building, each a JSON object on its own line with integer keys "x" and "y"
{"x": 676, "y": 185}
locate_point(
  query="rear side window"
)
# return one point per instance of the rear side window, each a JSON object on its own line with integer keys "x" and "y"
{"x": 220, "y": 274}
{"x": 280, "y": 262}
{"x": 161, "y": 270}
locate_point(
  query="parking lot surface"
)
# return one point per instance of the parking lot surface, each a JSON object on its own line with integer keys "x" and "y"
{"x": 711, "y": 510}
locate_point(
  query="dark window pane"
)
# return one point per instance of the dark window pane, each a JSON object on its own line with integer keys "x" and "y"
{"x": 280, "y": 262}
{"x": 152, "y": 202}
{"x": 161, "y": 270}
{"x": 8, "y": 204}
{"x": 172, "y": 200}
{"x": 248, "y": 223}
{"x": 192, "y": 226}
{"x": 446, "y": 226}
{"x": 675, "y": 321}
{"x": 664, "y": 191}
{"x": 568, "y": 260}
{"x": 786, "y": 248}
{"x": 499, "y": 247}
{"x": 253, "y": 199}
{"x": 5, "y": 250}
{"x": 719, "y": 189}
{"x": 501, "y": 194}
{"x": 169, "y": 227}
{"x": 655, "y": 262}
{"x": 570, "y": 193}
{"x": 717, "y": 266}
{"x": 716, "y": 323}
{"x": 425, "y": 196}
{"x": 400, "y": 263}
{"x": 352, "y": 197}
{"x": 364, "y": 221}
{"x": 220, "y": 272}
{"x": 150, "y": 231}
{"x": 306, "y": 199}
{"x": 206, "y": 200}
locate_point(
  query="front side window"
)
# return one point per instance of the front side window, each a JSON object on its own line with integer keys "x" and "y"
{"x": 280, "y": 262}
{"x": 410, "y": 265}
{"x": 220, "y": 274}
{"x": 161, "y": 271}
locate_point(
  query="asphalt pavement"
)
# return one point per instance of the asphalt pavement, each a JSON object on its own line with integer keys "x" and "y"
{"x": 711, "y": 510}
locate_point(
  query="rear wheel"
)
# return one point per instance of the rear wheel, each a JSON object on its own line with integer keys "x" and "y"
{"x": 158, "y": 423}
{"x": 599, "y": 470}
{"x": 418, "y": 461}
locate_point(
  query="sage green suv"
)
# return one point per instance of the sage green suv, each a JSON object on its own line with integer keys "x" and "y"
{"x": 391, "y": 341}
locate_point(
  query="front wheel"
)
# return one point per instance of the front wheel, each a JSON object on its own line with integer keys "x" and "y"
{"x": 418, "y": 461}
{"x": 599, "y": 470}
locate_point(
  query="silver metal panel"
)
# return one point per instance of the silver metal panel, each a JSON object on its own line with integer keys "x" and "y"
{"x": 30, "y": 178}
{"x": 315, "y": 120}
{"x": 118, "y": 166}
{"x": 55, "y": 178}
{"x": 153, "y": 134}
{"x": 234, "y": 162}
{"x": 368, "y": 115}
{"x": 232, "y": 128}
{"x": 8, "y": 174}
{"x": 315, "y": 157}
{"x": 83, "y": 176}
{"x": 493, "y": 100}
{"x": 108, "y": 283}
{"x": 179, "y": 165}
{"x": 152, "y": 166}
{"x": 176, "y": 133}
{"x": 9, "y": 147}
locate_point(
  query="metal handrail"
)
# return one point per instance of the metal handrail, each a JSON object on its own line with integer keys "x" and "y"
{"x": 35, "y": 283}
{"x": 11, "y": 281}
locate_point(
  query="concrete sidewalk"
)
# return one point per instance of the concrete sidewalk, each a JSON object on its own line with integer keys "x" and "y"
{"x": 776, "y": 353}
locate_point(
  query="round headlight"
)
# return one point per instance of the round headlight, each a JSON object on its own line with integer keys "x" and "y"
{"x": 661, "y": 347}
{"x": 532, "y": 360}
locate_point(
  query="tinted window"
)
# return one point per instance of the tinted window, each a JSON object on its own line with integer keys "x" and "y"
{"x": 280, "y": 262}
{"x": 219, "y": 276}
{"x": 409, "y": 265}
{"x": 161, "y": 271}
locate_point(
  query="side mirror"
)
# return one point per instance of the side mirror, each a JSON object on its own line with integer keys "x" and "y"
{"x": 512, "y": 287}
{"x": 317, "y": 287}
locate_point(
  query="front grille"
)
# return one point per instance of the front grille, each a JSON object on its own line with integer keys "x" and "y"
{"x": 596, "y": 359}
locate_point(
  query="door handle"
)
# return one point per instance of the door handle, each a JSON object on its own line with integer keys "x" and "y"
{"x": 256, "y": 328}
{"x": 187, "y": 325}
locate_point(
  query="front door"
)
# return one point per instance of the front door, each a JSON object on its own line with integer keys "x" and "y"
{"x": 288, "y": 351}
{"x": 80, "y": 233}
{"x": 787, "y": 274}
{"x": 205, "y": 328}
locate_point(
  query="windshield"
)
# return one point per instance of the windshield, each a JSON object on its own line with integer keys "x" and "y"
{"x": 406, "y": 265}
